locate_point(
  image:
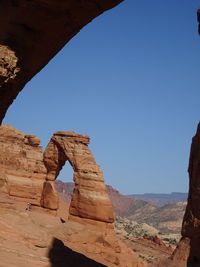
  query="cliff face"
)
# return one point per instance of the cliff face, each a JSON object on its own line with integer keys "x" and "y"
{"x": 191, "y": 220}
{"x": 187, "y": 252}
{"x": 22, "y": 171}
{"x": 32, "y": 32}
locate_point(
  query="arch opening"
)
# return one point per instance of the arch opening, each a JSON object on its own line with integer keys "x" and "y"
{"x": 89, "y": 199}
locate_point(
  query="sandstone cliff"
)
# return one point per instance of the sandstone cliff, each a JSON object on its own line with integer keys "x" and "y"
{"x": 191, "y": 220}
{"x": 187, "y": 252}
{"x": 22, "y": 171}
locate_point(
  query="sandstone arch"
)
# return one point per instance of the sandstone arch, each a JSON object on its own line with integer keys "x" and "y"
{"x": 90, "y": 199}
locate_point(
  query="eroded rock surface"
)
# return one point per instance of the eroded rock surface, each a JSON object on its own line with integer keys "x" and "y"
{"x": 191, "y": 220}
{"x": 27, "y": 173}
{"x": 187, "y": 252}
{"x": 32, "y": 32}
{"x": 90, "y": 199}
{"x": 22, "y": 171}
{"x": 36, "y": 238}
{"x": 32, "y": 236}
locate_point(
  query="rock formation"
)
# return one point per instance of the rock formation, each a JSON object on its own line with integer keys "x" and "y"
{"x": 36, "y": 238}
{"x": 187, "y": 252}
{"x": 22, "y": 171}
{"x": 191, "y": 220}
{"x": 90, "y": 199}
{"x": 32, "y": 32}
{"x": 27, "y": 174}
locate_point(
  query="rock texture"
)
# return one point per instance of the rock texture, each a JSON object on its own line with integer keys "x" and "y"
{"x": 32, "y": 32}
{"x": 29, "y": 234}
{"x": 191, "y": 220}
{"x": 49, "y": 198}
{"x": 36, "y": 238}
{"x": 22, "y": 172}
{"x": 187, "y": 252}
{"x": 90, "y": 199}
{"x": 27, "y": 173}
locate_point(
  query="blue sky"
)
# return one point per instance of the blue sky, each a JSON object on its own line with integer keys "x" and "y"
{"x": 130, "y": 80}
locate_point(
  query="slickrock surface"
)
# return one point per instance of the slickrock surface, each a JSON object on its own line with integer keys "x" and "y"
{"x": 32, "y": 32}
{"x": 90, "y": 199}
{"x": 35, "y": 238}
{"x": 22, "y": 172}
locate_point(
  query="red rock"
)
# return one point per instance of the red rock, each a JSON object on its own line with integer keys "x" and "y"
{"x": 181, "y": 253}
{"x": 28, "y": 174}
{"x": 90, "y": 199}
{"x": 22, "y": 171}
{"x": 32, "y": 32}
{"x": 187, "y": 252}
{"x": 49, "y": 198}
{"x": 191, "y": 220}
{"x": 24, "y": 177}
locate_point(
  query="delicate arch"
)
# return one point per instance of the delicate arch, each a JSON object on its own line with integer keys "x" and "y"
{"x": 90, "y": 199}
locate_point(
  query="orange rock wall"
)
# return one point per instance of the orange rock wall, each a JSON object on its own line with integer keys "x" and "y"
{"x": 22, "y": 172}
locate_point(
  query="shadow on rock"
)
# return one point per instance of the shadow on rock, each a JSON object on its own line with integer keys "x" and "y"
{"x": 194, "y": 257}
{"x": 62, "y": 256}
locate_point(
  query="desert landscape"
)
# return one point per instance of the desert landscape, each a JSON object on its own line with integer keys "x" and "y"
{"x": 48, "y": 222}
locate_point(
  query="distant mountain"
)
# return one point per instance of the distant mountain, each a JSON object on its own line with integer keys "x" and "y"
{"x": 125, "y": 206}
{"x": 65, "y": 190}
{"x": 161, "y": 199}
{"x": 122, "y": 205}
{"x": 167, "y": 219}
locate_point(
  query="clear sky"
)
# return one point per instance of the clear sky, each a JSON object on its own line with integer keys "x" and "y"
{"x": 129, "y": 80}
